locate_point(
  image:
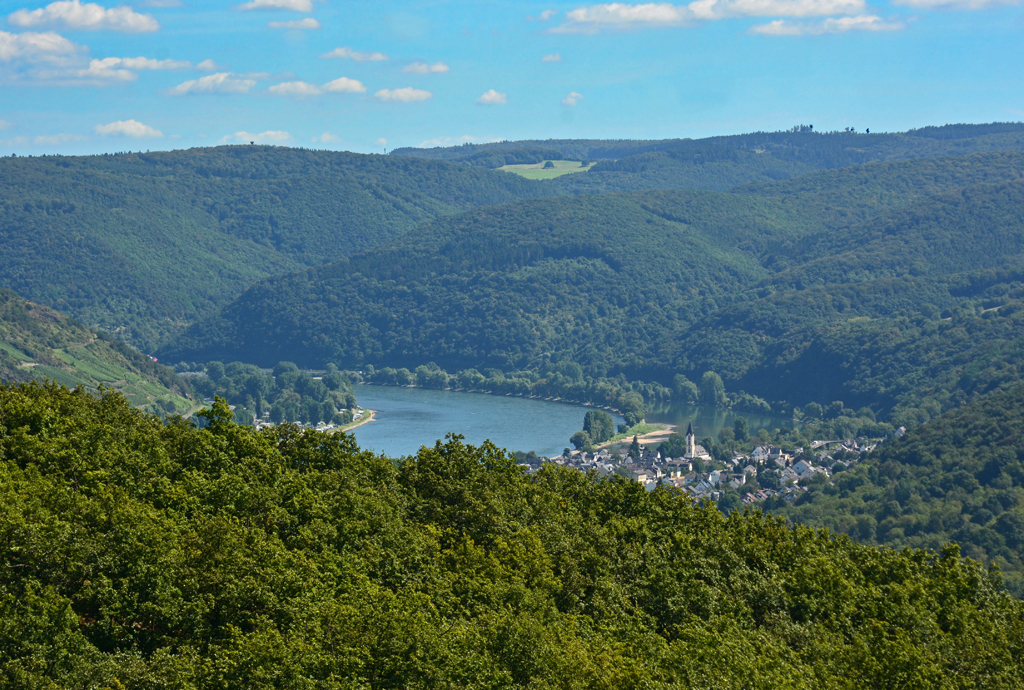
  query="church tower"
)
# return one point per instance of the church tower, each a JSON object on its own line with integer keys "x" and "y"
{"x": 691, "y": 442}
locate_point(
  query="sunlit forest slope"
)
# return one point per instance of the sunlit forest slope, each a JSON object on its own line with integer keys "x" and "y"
{"x": 894, "y": 285}
{"x": 38, "y": 343}
{"x": 141, "y": 244}
{"x": 144, "y": 555}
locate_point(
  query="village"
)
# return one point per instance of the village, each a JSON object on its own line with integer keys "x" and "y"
{"x": 765, "y": 473}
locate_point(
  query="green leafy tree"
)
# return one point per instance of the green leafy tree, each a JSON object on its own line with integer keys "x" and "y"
{"x": 685, "y": 390}
{"x": 599, "y": 424}
{"x": 633, "y": 408}
{"x": 581, "y": 441}
{"x": 741, "y": 429}
{"x": 712, "y": 390}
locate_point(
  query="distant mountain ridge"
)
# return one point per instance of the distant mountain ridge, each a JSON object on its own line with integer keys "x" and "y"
{"x": 723, "y": 162}
{"x": 927, "y": 141}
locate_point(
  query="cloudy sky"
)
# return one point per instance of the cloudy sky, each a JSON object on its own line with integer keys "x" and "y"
{"x": 80, "y": 77}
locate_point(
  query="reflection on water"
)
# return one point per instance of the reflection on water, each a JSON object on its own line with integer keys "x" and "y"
{"x": 708, "y": 421}
{"x": 408, "y": 418}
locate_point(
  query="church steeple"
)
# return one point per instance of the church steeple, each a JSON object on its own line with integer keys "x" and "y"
{"x": 691, "y": 441}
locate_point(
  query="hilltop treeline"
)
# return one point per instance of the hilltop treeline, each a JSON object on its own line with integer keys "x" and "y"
{"x": 896, "y": 286}
{"x": 145, "y": 554}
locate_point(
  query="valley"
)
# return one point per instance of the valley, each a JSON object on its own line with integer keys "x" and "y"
{"x": 843, "y": 328}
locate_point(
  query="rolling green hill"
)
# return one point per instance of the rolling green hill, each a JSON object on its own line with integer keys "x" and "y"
{"x": 140, "y": 554}
{"x": 958, "y": 478}
{"x": 873, "y": 285}
{"x": 144, "y": 244}
{"x": 38, "y": 343}
{"x": 141, "y": 244}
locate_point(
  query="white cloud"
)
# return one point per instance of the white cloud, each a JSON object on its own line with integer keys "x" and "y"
{"x": 46, "y": 47}
{"x": 262, "y": 138}
{"x": 618, "y": 16}
{"x": 293, "y": 5}
{"x": 4, "y": 124}
{"x": 492, "y": 97}
{"x": 345, "y": 85}
{"x": 349, "y": 54}
{"x": 295, "y": 89}
{"x": 326, "y": 138}
{"x": 832, "y": 25}
{"x": 382, "y": 142}
{"x": 424, "y": 68}
{"x": 207, "y": 66}
{"x": 222, "y": 82}
{"x": 129, "y": 128}
{"x": 72, "y": 14}
{"x": 624, "y": 17}
{"x": 955, "y": 4}
{"x": 123, "y": 69}
{"x": 554, "y": 57}
{"x": 303, "y": 89}
{"x": 723, "y": 9}
{"x": 307, "y": 23}
{"x": 573, "y": 99}
{"x": 406, "y": 95}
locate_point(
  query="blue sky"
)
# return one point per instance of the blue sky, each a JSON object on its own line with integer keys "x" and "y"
{"x": 79, "y": 77}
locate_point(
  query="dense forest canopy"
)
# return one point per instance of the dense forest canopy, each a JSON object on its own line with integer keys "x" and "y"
{"x": 144, "y": 554}
{"x": 141, "y": 244}
{"x": 893, "y": 285}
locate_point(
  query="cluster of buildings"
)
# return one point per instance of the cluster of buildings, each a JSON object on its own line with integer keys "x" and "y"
{"x": 778, "y": 471}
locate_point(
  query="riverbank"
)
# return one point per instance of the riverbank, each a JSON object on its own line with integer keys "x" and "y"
{"x": 371, "y": 415}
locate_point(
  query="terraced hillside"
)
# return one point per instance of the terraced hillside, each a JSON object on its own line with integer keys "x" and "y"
{"x": 38, "y": 343}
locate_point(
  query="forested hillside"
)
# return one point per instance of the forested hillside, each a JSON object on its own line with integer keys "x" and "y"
{"x": 140, "y": 554}
{"x": 897, "y": 285}
{"x": 38, "y": 343}
{"x": 144, "y": 244}
{"x": 719, "y": 163}
{"x": 141, "y": 244}
{"x": 958, "y": 478}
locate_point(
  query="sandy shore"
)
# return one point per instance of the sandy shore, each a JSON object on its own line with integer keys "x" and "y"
{"x": 371, "y": 415}
{"x": 646, "y": 439}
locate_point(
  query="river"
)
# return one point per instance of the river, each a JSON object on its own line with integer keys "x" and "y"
{"x": 408, "y": 418}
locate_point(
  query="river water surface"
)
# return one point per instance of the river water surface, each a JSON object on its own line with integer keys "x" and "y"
{"x": 408, "y": 418}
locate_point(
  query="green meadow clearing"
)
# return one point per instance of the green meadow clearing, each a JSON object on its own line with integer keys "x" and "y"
{"x": 536, "y": 171}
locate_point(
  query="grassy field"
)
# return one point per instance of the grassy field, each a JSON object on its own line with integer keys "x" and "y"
{"x": 536, "y": 171}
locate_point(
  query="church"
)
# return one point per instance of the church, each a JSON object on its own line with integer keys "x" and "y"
{"x": 693, "y": 451}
